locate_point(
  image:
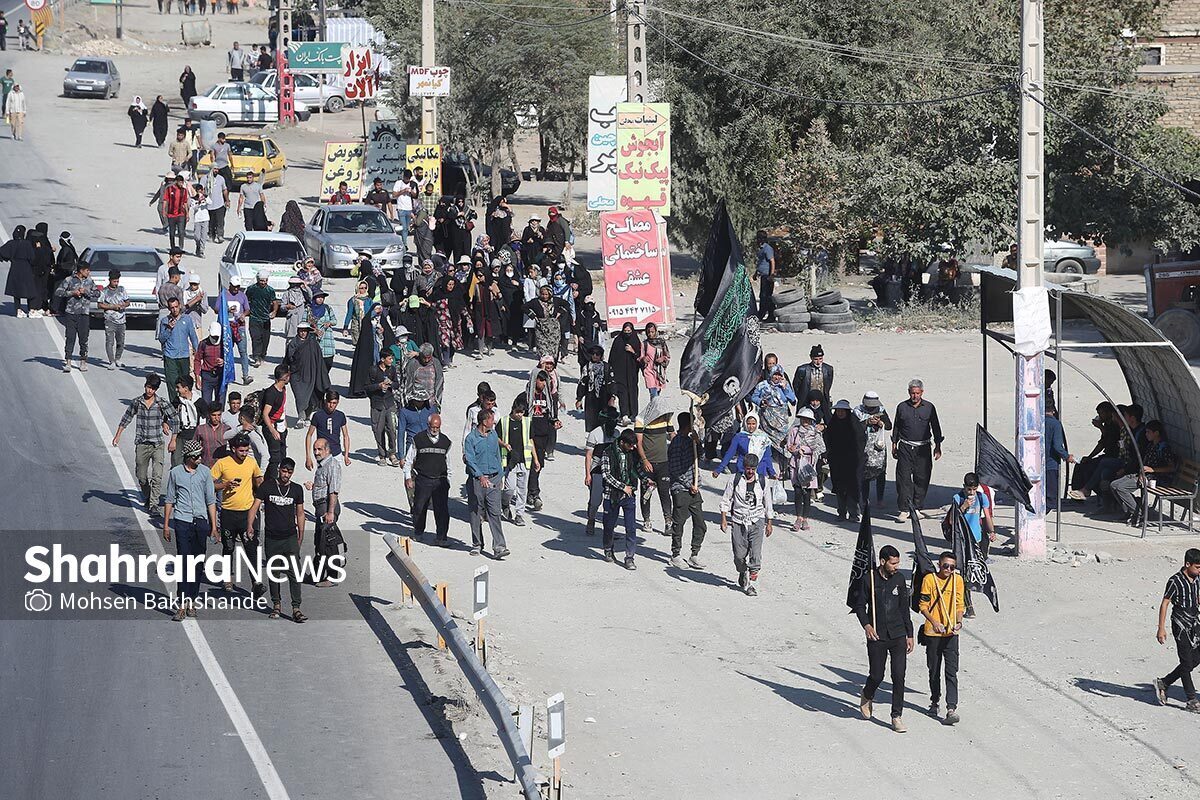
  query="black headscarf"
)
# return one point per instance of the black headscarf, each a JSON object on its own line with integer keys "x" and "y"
{"x": 293, "y": 220}
{"x": 626, "y": 370}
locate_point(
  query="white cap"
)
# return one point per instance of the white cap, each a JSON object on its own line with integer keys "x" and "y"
{"x": 214, "y": 328}
{"x": 235, "y": 280}
{"x": 263, "y": 274}
{"x": 193, "y": 278}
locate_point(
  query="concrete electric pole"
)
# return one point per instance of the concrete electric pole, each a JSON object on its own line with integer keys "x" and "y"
{"x": 285, "y": 81}
{"x": 635, "y": 51}
{"x": 428, "y": 59}
{"x": 1031, "y": 234}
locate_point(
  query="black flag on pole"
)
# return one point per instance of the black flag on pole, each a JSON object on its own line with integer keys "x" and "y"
{"x": 864, "y": 559}
{"x": 716, "y": 257}
{"x": 923, "y": 563}
{"x": 722, "y": 359}
{"x": 999, "y": 469}
{"x": 974, "y": 570}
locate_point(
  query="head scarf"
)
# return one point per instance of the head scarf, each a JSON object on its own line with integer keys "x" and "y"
{"x": 138, "y": 104}
{"x": 293, "y": 220}
{"x": 19, "y": 232}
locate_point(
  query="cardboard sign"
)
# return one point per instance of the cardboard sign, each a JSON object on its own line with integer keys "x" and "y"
{"x": 644, "y": 157}
{"x": 428, "y": 81}
{"x": 428, "y": 157}
{"x": 343, "y": 162}
{"x": 360, "y": 73}
{"x": 604, "y": 93}
{"x": 637, "y": 269}
{"x": 385, "y": 153}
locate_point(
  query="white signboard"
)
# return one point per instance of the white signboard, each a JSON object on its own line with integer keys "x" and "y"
{"x": 428, "y": 81}
{"x": 604, "y": 92}
{"x": 480, "y": 605}
{"x": 556, "y": 726}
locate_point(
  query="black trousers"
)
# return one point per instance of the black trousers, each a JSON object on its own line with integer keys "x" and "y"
{"x": 595, "y": 500}
{"x": 877, "y": 654}
{"x": 766, "y": 297}
{"x": 1189, "y": 659}
{"x": 683, "y": 505}
{"x": 864, "y": 488}
{"x": 662, "y": 483}
{"x": 429, "y": 492}
{"x": 914, "y": 466}
{"x": 260, "y": 338}
{"x": 78, "y": 325}
{"x": 543, "y": 441}
{"x": 216, "y": 223}
{"x": 233, "y": 530}
{"x": 941, "y": 650}
{"x": 276, "y": 450}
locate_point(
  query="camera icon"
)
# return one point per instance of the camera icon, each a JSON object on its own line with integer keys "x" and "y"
{"x": 38, "y": 600}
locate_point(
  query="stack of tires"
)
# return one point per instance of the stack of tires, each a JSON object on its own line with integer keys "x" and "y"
{"x": 831, "y": 313}
{"x": 791, "y": 311}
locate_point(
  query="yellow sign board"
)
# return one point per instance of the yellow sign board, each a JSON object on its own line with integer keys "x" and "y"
{"x": 644, "y": 157}
{"x": 429, "y": 158}
{"x": 343, "y": 162}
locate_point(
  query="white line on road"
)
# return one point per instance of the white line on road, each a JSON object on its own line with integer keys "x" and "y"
{"x": 233, "y": 706}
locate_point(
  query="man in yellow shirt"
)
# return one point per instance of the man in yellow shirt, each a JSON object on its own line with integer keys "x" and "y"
{"x": 235, "y": 477}
{"x": 943, "y": 602}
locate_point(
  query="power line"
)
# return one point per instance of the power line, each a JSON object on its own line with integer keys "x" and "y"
{"x": 831, "y": 101}
{"x": 530, "y": 24}
{"x": 528, "y": 6}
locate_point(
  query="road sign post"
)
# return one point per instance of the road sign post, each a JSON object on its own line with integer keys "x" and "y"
{"x": 556, "y": 739}
{"x": 480, "y": 610}
{"x": 443, "y": 593}
{"x": 405, "y": 593}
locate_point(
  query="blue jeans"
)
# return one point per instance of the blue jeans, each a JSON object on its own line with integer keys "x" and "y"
{"x": 654, "y": 393}
{"x": 190, "y": 539}
{"x": 405, "y": 222}
{"x": 1104, "y": 471}
{"x": 626, "y": 506}
{"x": 411, "y": 423}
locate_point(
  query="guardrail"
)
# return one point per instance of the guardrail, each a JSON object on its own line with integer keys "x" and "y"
{"x": 485, "y": 687}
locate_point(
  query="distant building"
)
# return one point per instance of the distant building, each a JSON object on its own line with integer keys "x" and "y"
{"x": 1171, "y": 62}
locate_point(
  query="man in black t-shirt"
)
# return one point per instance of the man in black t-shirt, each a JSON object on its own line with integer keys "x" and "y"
{"x": 283, "y": 510}
{"x": 380, "y": 198}
{"x": 274, "y": 418}
{"x": 328, "y": 424}
{"x": 427, "y": 474}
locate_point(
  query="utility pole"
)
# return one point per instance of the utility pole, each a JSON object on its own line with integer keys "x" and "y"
{"x": 120, "y": 6}
{"x": 321, "y": 14}
{"x": 635, "y": 51}
{"x": 285, "y": 81}
{"x": 1031, "y": 234}
{"x": 428, "y": 59}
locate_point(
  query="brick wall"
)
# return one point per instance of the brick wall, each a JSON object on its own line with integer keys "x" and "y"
{"x": 1181, "y": 16}
{"x": 1183, "y": 97}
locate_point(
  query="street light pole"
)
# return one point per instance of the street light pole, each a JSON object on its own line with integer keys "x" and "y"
{"x": 1031, "y": 233}
{"x": 428, "y": 59}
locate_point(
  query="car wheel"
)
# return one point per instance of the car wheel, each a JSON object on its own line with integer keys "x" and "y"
{"x": 335, "y": 104}
{"x": 1182, "y": 328}
{"x": 221, "y": 118}
{"x": 1069, "y": 266}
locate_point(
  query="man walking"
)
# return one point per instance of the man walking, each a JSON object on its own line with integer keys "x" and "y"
{"x": 210, "y": 366}
{"x": 221, "y": 168}
{"x": 237, "y": 476}
{"x": 156, "y": 421}
{"x": 114, "y": 299}
{"x": 427, "y": 476}
{"x": 521, "y": 458}
{"x": 943, "y": 603}
{"x": 380, "y": 380}
{"x": 481, "y": 451}
{"x": 282, "y": 502}
{"x": 274, "y": 417}
{"x": 683, "y": 469}
{"x": 328, "y": 423}
{"x": 177, "y": 335}
{"x": 765, "y": 270}
{"x": 264, "y": 304}
{"x": 747, "y": 505}
{"x": 252, "y": 203}
{"x": 1182, "y": 596}
{"x": 79, "y": 290}
{"x": 235, "y": 59}
{"x": 14, "y": 110}
{"x": 599, "y": 439}
{"x": 916, "y": 444}
{"x": 191, "y": 504}
{"x": 817, "y": 376}
{"x": 237, "y": 304}
{"x": 654, "y": 433}
{"x": 883, "y": 612}
{"x": 326, "y": 488}
{"x": 622, "y": 471}
{"x": 421, "y": 391}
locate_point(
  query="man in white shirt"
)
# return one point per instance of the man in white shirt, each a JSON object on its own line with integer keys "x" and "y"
{"x": 405, "y": 192}
{"x": 747, "y": 505}
{"x": 235, "y": 59}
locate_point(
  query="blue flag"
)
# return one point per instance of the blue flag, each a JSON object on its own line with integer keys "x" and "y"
{"x": 229, "y": 374}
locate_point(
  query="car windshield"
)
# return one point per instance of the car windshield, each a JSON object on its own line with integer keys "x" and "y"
{"x": 245, "y": 147}
{"x": 260, "y": 77}
{"x": 365, "y": 221}
{"x": 89, "y": 66}
{"x": 101, "y": 261}
{"x": 270, "y": 251}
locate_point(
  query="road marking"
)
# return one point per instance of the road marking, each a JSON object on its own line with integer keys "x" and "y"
{"x": 233, "y": 706}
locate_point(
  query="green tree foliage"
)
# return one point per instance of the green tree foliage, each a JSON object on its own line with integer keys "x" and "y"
{"x": 911, "y": 177}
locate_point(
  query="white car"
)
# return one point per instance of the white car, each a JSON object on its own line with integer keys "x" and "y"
{"x": 308, "y": 90}
{"x": 242, "y": 102}
{"x": 250, "y": 251}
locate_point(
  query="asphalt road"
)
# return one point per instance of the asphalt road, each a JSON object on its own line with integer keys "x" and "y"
{"x": 129, "y": 708}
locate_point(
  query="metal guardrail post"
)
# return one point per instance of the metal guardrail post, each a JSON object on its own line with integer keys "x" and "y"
{"x": 485, "y": 687}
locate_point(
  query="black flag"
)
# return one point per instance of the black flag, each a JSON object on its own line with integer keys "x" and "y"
{"x": 923, "y": 563}
{"x": 864, "y": 559}
{"x": 722, "y": 359}
{"x": 716, "y": 256}
{"x": 999, "y": 469}
{"x": 974, "y": 570}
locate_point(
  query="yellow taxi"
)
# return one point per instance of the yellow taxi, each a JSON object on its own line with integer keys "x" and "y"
{"x": 251, "y": 152}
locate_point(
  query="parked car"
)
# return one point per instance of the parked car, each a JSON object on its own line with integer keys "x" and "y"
{"x": 308, "y": 89}
{"x": 251, "y": 152}
{"x": 337, "y": 234}
{"x": 250, "y": 251}
{"x": 457, "y": 166}
{"x": 245, "y": 103}
{"x": 1078, "y": 259}
{"x": 92, "y": 77}
{"x": 139, "y": 270}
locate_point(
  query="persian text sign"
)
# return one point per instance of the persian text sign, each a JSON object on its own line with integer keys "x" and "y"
{"x": 343, "y": 162}
{"x": 604, "y": 93}
{"x": 637, "y": 269}
{"x": 313, "y": 57}
{"x": 429, "y": 158}
{"x": 644, "y": 157}
{"x": 360, "y": 73}
{"x": 385, "y": 153}
{"x": 429, "y": 81}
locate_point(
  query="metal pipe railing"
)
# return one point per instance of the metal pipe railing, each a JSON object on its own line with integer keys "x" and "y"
{"x": 481, "y": 681}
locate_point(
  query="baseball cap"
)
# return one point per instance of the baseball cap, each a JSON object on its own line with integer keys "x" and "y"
{"x": 235, "y": 280}
{"x": 214, "y": 328}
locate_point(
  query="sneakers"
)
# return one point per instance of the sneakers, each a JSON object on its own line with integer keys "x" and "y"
{"x": 752, "y": 588}
{"x": 902, "y": 516}
{"x": 1193, "y": 706}
{"x": 865, "y": 706}
{"x": 82, "y": 365}
{"x": 475, "y": 551}
{"x": 180, "y": 613}
{"x": 501, "y": 553}
{"x": 381, "y": 461}
{"x": 933, "y": 709}
{"x": 694, "y": 561}
{"x": 629, "y": 565}
{"x": 519, "y": 521}
{"x": 1160, "y": 691}
{"x": 21, "y": 314}
{"x": 898, "y": 725}
{"x": 970, "y": 614}
{"x": 66, "y": 366}
{"x": 112, "y": 365}
{"x": 677, "y": 562}
{"x": 647, "y": 527}
{"x": 610, "y": 557}
{"x": 952, "y": 717}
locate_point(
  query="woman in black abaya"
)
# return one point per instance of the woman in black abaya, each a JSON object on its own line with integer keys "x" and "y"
{"x": 158, "y": 119}
{"x": 623, "y": 358}
{"x": 20, "y": 285}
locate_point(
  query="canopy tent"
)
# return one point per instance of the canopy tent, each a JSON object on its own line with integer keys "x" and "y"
{"x": 1157, "y": 375}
